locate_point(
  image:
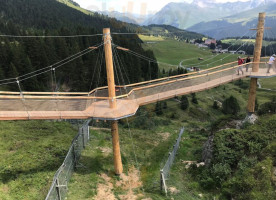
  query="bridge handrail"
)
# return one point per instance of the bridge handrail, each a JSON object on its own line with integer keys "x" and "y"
{"x": 165, "y": 78}
{"x": 179, "y": 75}
{"x": 186, "y": 78}
{"x": 176, "y": 76}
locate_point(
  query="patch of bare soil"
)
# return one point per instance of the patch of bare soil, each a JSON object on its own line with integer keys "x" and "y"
{"x": 104, "y": 190}
{"x": 105, "y": 150}
{"x": 132, "y": 181}
{"x": 173, "y": 190}
{"x": 4, "y": 189}
{"x": 128, "y": 183}
{"x": 164, "y": 136}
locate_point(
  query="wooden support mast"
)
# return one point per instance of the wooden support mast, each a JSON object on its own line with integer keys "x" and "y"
{"x": 118, "y": 167}
{"x": 257, "y": 58}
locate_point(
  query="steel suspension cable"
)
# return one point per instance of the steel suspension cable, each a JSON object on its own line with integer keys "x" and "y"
{"x": 226, "y": 55}
{"x": 48, "y": 36}
{"x": 227, "y": 49}
{"x": 49, "y": 68}
{"x": 96, "y": 65}
{"x": 152, "y": 60}
{"x": 123, "y": 64}
{"x": 129, "y": 131}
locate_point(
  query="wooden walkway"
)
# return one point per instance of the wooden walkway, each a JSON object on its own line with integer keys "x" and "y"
{"x": 95, "y": 104}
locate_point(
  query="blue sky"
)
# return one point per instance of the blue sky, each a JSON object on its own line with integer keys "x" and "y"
{"x": 133, "y": 6}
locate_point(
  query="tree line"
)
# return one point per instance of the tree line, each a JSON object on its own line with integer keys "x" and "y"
{"x": 19, "y": 56}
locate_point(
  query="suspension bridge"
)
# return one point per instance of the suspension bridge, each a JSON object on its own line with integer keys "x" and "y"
{"x": 95, "y": 104}
{"x": 115, "y": 102}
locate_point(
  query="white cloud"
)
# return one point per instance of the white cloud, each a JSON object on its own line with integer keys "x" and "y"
{"x": 133, "y": 6}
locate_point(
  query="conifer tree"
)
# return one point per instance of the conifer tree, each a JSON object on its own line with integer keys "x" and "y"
{"x": 158, "y": 108}
{"x": 230, "y": 106}
{"x": 194, "y": 99}
{"x": 184, "y": 103}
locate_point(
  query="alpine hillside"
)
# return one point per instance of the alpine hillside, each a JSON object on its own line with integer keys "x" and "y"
{"x": 184, "y": 15}
{"x": 228, "y": 26}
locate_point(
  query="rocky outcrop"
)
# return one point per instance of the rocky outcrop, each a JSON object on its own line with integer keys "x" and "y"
{"x": 207, "y": 153}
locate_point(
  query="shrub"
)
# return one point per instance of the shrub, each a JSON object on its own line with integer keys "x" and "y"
{"x": 269, "y": 107}
{"x": 230, "y": 106}
{"x": 194, "y": 99}
{"x": 241, "y": 84}
{"x": 215, "y": 105}
{"x": 158, "y": 108}
{"x": 184, "y": 103}
{"x": 174, "y": 115}
{"x": 165, "y": 106}
{"x": 142, "y": 120}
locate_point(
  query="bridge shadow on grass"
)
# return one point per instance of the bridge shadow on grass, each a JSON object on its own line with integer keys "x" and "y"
{"x": 8, "y": 174}
{"x": 94, "y": 164}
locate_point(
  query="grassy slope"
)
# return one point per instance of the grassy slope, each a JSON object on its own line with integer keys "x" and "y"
{"x": 173, "y": 52}
{"x": 151, "y": 151}
{"x": 76, "y": 7}
{"x": 30, "y": 154}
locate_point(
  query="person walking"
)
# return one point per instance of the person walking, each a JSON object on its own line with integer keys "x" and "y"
{"x": 240, "y": 62}
{"x": 248, "y": 60}
{"x": 271, "y": 63}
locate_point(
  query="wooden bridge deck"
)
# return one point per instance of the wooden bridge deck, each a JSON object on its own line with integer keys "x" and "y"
{"x": 32, "y": 106}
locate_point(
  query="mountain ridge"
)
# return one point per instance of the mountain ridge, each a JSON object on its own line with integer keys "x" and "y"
{"x": 228, "y": 26}
{"x": 183, "y": 15}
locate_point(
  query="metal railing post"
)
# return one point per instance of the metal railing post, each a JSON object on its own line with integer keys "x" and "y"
{"x": 58, "y": 189}
{"x": 161, "y": 179}
{"x": 83, "y": 139}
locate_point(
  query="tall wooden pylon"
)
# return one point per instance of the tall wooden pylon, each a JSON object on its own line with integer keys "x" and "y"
{"x": 118, "y": 167}
{"x": 256, "y": 59}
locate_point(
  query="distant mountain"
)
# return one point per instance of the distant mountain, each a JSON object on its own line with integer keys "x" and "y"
{"x": 184, "y": 15}
{"x": 238, "y": 24}
{"x": 121, "y": 16}
{"x": 126, "y": 17}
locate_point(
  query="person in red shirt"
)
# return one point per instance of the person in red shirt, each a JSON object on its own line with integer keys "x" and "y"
{"x": 240, "y": 63}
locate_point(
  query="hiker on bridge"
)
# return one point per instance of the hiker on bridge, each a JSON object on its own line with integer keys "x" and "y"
{"x": 248, "y": 60}
{"x": 240, "y": 63}
{"x": 271, "y": 63}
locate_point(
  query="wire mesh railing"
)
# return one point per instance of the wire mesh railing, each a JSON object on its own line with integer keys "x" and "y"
{"x": 59, "y": 187}
{"x": 165, "y": 171}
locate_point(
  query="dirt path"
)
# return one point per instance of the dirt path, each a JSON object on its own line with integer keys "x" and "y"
{"x": 128, "y": 183}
